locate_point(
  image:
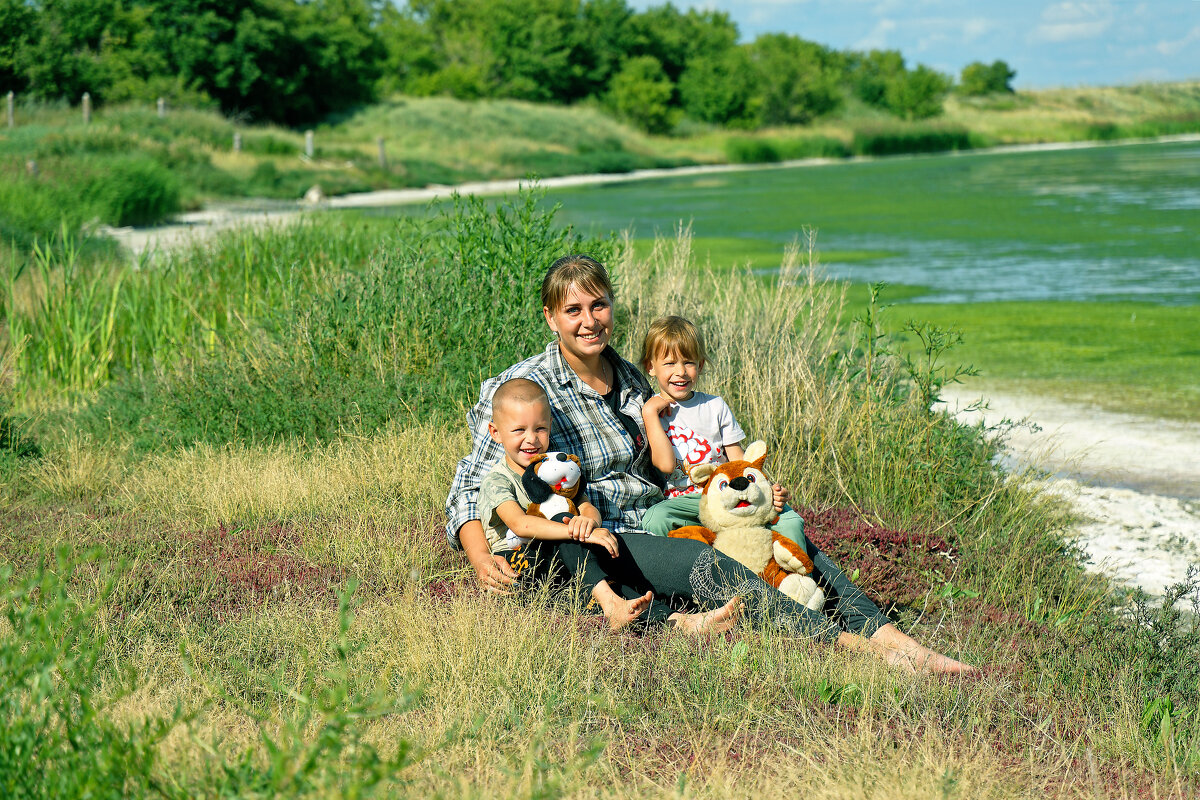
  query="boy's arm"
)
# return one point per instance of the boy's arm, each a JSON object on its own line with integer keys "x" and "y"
{"x": 662, "y": 454}
{"x": 527, "y": 527}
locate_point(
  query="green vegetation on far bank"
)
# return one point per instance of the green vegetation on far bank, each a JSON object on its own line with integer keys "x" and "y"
{"x": 1127, "y": 357}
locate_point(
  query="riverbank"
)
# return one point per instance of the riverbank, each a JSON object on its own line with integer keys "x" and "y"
{"x": 1133, "y": 480}
{"x": 201, "y": 225}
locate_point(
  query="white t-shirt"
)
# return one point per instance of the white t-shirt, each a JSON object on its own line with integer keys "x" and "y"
{"x": 699, "y": 428}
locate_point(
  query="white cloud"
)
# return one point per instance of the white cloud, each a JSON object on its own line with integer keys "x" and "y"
{"x": 876, "y": 39}
{"x": 1062, "y": 22}
{"x": 1171, "y": 48}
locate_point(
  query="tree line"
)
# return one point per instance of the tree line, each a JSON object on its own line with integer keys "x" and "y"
{"x": 297, "y": 61}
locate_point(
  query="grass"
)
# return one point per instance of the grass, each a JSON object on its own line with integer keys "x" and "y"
{"x": 1126, "y": 357}
{"x": 189, "y": 602}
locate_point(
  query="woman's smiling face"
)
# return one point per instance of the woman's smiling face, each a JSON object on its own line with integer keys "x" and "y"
{"x": 583, "y": 323}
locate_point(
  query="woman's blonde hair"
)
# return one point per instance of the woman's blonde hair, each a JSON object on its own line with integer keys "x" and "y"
{"x": 672, "y": 336}
{"x": 583, "y": 271}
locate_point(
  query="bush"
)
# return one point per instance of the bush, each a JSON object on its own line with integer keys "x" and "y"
{"x": 915, "y": 139}
{"x": 368, "y": 347}
{"x": 812, "y": 147}
{"x": 641, "y": 93}
{"x": 131, "y": 190}
{"x": 750, "y": 150}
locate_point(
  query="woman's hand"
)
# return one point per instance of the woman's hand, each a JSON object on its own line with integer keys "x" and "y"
{"x": 657, "y": 406}
{"x": 494, "y": 574}
{"x": 605, "y": 538}
{"x": 780, "y": 496}
{"x": 579, "y": 527}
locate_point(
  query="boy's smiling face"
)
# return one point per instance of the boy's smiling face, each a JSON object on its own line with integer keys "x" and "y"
{"x": 522, "y": 428}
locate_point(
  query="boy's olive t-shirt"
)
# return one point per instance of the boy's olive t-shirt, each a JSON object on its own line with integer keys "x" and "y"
{"x": 499, "y": 486}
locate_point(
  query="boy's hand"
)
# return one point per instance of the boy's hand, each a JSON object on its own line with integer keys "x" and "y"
{"x": 604, "y": 538}
{"x": 657, "y": 406}
{"x": 579, "y": 527}
{"x": 779, "y": 497}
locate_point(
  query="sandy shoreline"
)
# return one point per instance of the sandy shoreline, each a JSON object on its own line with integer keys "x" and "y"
{"x": 1135, "y": 480}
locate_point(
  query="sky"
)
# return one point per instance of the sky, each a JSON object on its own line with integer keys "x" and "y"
{"x": 1100, "y": 43}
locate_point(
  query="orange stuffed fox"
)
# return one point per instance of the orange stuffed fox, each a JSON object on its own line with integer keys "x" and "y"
{"x": 735, "y": 509}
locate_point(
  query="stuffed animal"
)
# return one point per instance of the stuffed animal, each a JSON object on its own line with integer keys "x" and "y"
{"x": 553, "y": 481}
{"x": 735, "y": 509}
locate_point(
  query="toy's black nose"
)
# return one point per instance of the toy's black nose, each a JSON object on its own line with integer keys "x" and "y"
{"x": 739, "y": 483}
{"x": 562, "y": 456}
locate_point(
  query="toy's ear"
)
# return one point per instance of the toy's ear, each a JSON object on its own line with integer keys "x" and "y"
{"x": 702, "y": 472}
{"x": 538, "y": 490}
{"x": 756, "y": 454}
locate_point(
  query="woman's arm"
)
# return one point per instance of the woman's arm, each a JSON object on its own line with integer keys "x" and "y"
{"x": 662, "y": 454}
{"x": 493, "y": 572}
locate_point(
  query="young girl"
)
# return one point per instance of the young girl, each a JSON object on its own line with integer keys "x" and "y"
{"x": 685, "y": 427}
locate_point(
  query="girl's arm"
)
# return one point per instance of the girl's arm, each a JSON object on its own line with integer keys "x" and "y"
{"x": 735, "y": 452}
{"x": 662, "y": 454}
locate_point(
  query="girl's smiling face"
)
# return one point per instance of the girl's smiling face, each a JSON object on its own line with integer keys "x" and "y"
{"x": 583, "y": 323}
{"x": 676, "y": 375}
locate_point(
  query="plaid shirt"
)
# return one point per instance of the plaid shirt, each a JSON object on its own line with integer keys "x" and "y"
{"x": 615, "y": 468}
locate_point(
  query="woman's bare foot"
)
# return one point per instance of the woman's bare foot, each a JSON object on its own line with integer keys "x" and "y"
{"x": 900, "y": 649}
{"x": 722, "y": 619}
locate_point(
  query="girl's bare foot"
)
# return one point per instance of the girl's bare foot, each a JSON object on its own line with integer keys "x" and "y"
{"x": 722, "y": 619}
{"x": 625, "y": 611}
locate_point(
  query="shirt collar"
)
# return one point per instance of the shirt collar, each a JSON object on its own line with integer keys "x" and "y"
{"x": 565, "y": 376}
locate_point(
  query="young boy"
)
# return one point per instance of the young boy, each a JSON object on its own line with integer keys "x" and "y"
{"x": 521, "y": 425}
{"x": 685, "y": 428}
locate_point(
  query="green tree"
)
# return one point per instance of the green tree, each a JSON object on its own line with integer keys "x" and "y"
{"x": 721, "y": 89}
{"x": 870, "y": 73}
{"x": 980, "y": 79}
{"x": 675, "y": 38}
{"x": 17, "y": 21}
{"x": 917, "y": 94}
{"x": 641, "y": 93}
{"x": 796, "y": 80}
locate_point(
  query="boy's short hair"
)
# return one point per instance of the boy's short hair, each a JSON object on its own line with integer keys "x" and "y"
{"x": 672, "y": 335}
{"x": 517, "y": 390}
{"x": 583, "y": 271}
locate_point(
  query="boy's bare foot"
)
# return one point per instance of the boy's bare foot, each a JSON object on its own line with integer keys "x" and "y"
{"x": 617, "y": 610}
{"x": 625, "y": 611}
{"x": 722, "y": 619}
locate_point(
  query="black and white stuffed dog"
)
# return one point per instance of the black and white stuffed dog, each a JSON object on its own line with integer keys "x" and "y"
{"x": 553, "y": 481}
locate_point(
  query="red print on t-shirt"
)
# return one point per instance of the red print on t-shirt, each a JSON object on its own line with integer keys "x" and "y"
{"x": 694, "y": 447}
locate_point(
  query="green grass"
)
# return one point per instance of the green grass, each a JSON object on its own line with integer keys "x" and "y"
{"x": 191, "y": 639}
{"x": 1130, "y": 357}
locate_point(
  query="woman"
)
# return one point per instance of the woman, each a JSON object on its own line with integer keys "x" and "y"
{"x": 597, "y": 398}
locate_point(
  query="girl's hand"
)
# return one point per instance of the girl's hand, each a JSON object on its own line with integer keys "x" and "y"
{"x": 655, "y": 407}
{"x": 580, "y": 527}
{"x": 779, "y": 497}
